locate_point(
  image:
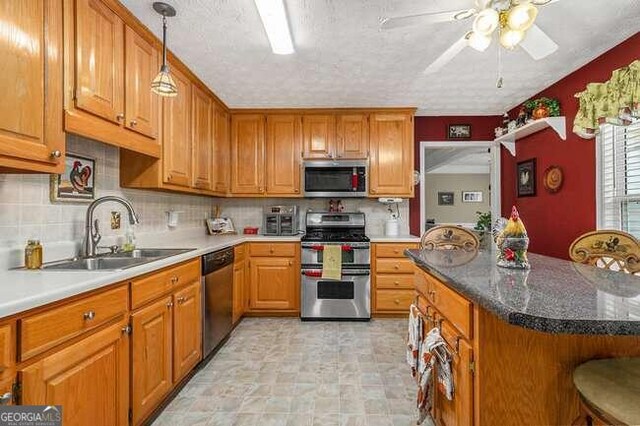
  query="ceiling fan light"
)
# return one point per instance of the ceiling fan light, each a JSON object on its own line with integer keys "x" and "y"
{"x": 486, "y": 22}
{"x": 163, "y": 84}
{"x": 509, "y": 39}
{"x": 522, "y": 17}
{"x": 479, "y": 42}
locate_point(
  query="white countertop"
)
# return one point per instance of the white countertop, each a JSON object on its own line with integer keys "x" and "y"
{"x": 22, "y": 290}
{"x": 395, "y": 239}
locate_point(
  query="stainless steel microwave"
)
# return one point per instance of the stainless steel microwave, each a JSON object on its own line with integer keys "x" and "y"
{"x": 335, "y": 179}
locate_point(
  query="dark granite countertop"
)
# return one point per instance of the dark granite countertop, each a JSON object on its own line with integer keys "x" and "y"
{"x": 555, "y": 296}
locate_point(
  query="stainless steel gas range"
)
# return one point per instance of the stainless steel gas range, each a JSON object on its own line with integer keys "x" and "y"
{"x": 350, "y": 297}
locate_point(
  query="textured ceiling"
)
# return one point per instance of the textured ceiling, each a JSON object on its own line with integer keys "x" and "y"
{"x": 342, "y": 59}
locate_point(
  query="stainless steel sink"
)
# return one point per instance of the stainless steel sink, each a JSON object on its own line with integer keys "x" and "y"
{"x": 114, "y": 261}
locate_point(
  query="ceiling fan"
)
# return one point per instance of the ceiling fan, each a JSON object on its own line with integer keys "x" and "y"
{"x": 512, "y": 20}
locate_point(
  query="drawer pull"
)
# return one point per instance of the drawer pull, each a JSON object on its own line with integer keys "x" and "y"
{"x": 175, "y": 279}
{"x": 396, "y": 282}
{"x": 88, "y": 316}
{"x": 397, "y": 301}
{"x": 6, "y": 398}
{"x": 181, "y": 300}
{"x": 432, "y": 293}
{"x": 396, "y": 251}
{"x": 396, "y": 267}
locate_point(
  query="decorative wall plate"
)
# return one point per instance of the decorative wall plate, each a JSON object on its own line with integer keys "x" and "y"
{"x": 553, "y": 179}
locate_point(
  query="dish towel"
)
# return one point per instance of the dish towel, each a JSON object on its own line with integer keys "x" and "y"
{"x": 433, "y": 356}
{"x": 332, "y": 262}
{"x": 414, "y": 338}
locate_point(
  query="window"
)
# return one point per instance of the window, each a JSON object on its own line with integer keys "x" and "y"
{"x": 619, "y": 179}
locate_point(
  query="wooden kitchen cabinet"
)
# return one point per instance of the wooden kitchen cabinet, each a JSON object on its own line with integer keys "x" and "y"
{"x": 273, "y": 284}
{"x": 352, "y": 138}
{"x": 176, "y": 134}
{"x": 283, "y": 146}
{"x": 319, "y": 133}
{"x": 142, "y": 106}
{"x": 239, "y": 282}
{"x": 247, "y": 154}
{"x": 391, "y": 155}
{"x": 202, "y": 139}
{"x": 7, "y": 350}
{"x": 392, "y": 281}
{"x": 31, "y": 124}
{"x": 187, "y": 330}
{"x": 90, "y": 379}
{"x": 221, "y": 152}
{"x": 7, "y": 391}
{"x": 151, "y": 348}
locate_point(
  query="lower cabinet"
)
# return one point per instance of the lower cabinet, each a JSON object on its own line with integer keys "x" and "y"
{"x": 151, "y": 360}
{"x": 274, "y": 283}
{"x": 240, "y": 292}
{"x": 392, "y": 279}
{"x": 90, "y": 379}
{"x": 187, "y": 330}
{"x": 6, "y": 391}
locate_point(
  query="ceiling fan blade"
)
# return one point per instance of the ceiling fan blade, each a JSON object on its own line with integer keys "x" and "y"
{"x": 423, "y": 18}
{"x": 538, "y": 44}
{"x": 447, "y": 55}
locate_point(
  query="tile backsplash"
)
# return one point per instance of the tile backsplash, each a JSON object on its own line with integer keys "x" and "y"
{"x": 27, "y": 212}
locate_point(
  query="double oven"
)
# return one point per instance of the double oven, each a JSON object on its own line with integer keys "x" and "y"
{"x": 350, "y": 296}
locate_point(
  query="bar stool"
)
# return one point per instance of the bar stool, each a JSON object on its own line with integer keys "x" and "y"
{"x": 609, "y": 388}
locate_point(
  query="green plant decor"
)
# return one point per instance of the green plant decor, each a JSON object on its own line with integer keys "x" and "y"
{"x": 552, "y": 104}
{"x": 484, "y": 221}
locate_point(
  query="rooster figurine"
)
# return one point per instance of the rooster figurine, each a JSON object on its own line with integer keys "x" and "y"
{"x": 78, "y": 177}
{"x": 512, "y": 241}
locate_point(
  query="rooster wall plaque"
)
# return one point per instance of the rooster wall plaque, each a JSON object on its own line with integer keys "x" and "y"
{"x": 77, "y": 182}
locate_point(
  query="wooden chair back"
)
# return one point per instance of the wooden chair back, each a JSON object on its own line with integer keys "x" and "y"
{"x": 449, "y": 237}
{"x": 607, "y": 249}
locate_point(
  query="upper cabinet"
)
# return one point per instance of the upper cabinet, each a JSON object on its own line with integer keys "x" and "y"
{"x": 31, "y": 134}
{"x": 247, "y": 154}
{"x": 352, "y": 136}
{"x": 202, "y": 136}
{"x": 391, "y": 154}
{"x": 319, "y": 133}
{"x": 141, "y": 65}
{"x": 108, "y": 77}
{"x": 221, "y": 152}
{"x": 176, "y": 133}
{"x": 284, "y": 137}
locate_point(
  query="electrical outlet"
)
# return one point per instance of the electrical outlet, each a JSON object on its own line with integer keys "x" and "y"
{"x": 115, "y": 220}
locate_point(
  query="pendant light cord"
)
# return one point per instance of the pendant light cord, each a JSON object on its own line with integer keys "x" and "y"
{"x": 164, "y": 42}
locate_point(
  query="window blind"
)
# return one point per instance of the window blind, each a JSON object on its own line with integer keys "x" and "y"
{"x": 619, "y": 159}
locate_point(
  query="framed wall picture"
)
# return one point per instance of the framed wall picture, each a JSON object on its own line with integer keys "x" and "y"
{"x": 445, "y": 198}
{"x": 77, "y": 183}
{"x": 459, "y": 131}
{"x": 220, "y": 225}
{"x": 526, "y": 174}
{"x": 471, "y": 196}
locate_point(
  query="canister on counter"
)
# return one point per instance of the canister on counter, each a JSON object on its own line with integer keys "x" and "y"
{"x": 33, "y": 255}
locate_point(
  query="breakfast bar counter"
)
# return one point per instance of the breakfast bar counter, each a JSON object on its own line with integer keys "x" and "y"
{"x": 516, "y": 336}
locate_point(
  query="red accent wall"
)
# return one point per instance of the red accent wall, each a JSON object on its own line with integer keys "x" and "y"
{"x": 553, "y": 221}
{"x": 434, "y": 129}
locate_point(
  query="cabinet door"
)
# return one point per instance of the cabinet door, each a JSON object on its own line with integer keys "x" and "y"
{"x": 284, "y": 141}
{"x": 99, "y": 60}
{"x": 151, "y": 357}
{"x": 176, "y": 138}
{"x": 90, "y": 379}
{"x": 319, "y": 136}
{"x": 31, "y": 111}
{"x": 247, "y": 154}
{"x": 459, "y": 411}
{"x": 391, "y": 161}
{"x": 239, "y": 278}
{"x": 7, "y": 391}
{"x": 202, "y": 111}
{"x": 273, "y": 283}
{"x": 141, "y": 66}
{"x": 221, "y": 152}
{"x": 187, "y": 330}
{"x": 352, "y": 136}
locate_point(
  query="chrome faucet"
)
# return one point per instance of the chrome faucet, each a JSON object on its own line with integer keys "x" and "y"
{"x": 92, "y": 231}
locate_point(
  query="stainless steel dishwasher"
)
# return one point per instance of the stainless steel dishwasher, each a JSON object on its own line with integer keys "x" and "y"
{"x": 217, "y": 286}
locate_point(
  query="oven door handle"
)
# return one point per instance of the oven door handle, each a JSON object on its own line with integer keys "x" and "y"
{"x": 315, "y": 273}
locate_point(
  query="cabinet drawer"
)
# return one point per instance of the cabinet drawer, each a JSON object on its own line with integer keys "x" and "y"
{"x": 152, "y": 286}
{"x": 393, "y": 250}
{"x": 7, "y": 349}
{"x": 421, "y": 282}
{"x": 454, "y": 307}
{"x": 272, "y": 249}
{"x": 394, "y": 266}
{"x": 394, "y": 300}
{"x": 395, "y": 281}
{"x": 45, "y": 330}
{"x": 239, "y": 253}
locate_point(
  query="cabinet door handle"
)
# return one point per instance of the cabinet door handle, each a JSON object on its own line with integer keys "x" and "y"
{"x": 432, "y": 293}
{"x": 170, "y": 304}
{"x": 6, "y": 398}
{"x": 133, "y": 123}
{"x": 89, "y": 315}
{"x": 175, "y": 279}
{"x": 120, "y": 117}
{"x": 169, "y": 177}
{"x": 291, "y": 263}
{"x": 181, "y": 300}
{"x": 56, "y": 154}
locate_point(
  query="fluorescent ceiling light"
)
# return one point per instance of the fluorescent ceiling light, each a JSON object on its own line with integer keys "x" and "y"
{"x": 274, "y": 20}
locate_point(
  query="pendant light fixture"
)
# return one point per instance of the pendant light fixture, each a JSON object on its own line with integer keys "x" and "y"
{"x": 163, "y": 84}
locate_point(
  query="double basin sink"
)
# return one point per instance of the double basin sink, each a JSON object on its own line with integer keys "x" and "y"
{"x": 113, "y": 261}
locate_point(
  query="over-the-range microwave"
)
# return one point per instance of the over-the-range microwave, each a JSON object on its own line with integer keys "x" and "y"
{"x": 335, "y": 179}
